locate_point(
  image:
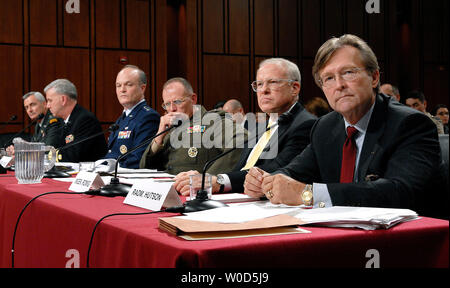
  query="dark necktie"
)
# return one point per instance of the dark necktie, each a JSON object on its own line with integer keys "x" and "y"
{"x": 348, "y": 156}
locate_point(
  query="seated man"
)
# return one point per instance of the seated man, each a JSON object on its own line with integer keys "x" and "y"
{"x": 79, "y": 123}
{"x": 47, "y": 129}
{"x": 186, "y": 148}
{"x": 390, "y": 90}
{"x": 234, "y": 107}
{"x": 370, "y": 151}
{"x": 416, "y": 100}
{"x": 277, "y": 87}
{"x": 138, "y": 121}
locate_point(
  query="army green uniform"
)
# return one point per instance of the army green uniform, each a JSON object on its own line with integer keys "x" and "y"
{"x": 49, "y": 131}
{"x": 193, "y": 155}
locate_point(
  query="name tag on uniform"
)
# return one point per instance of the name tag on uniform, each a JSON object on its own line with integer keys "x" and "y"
{"x": 124, "y": 135}
{"x": 153, "y": 195}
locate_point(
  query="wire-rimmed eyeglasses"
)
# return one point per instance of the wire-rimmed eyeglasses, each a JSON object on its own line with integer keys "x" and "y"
{"x": 273, "y": 84}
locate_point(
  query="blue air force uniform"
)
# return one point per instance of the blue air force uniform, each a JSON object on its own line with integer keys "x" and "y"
{"x": 140, "y": 124}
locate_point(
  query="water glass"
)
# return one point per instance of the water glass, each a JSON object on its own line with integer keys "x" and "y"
{"x": 195, "y": 185}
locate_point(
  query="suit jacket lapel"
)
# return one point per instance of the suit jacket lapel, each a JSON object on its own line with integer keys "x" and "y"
{"x": 374, "y": 131}
{"x": 283, "y": 127}
{"x": 334, "y": 143}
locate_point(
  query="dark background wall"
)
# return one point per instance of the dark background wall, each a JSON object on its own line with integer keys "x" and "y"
{"x": 215, "y": 44}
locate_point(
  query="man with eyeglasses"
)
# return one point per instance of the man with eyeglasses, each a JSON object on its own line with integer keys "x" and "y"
{"x": 170, "y": 153}
{"x": 138, "y": 121}
{"x": 371, "y": 151}
{"x": 277, "y": 87}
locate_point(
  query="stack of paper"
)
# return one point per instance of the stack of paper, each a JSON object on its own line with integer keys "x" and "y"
{"x": 357, "y": 217}
{"x": 232, "y": 198}
{"x": 206, "y": 230}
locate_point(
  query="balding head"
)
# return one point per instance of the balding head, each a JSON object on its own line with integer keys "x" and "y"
{"x": 234, "y": 107}
{"x": 390, "y": 90}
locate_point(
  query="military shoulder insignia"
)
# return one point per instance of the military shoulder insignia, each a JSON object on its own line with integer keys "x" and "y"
{"x": 69, "y": 138}
{"x": 192, "y": 152}
{"x": 54, "y": 120}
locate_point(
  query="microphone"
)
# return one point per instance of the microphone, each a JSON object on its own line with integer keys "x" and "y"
{"x": 54, "y": 173}
{"x": 115, "y": 188}
{"x": 12, "y": 118}
{"x": 201, "y": 201}
{"x": 21, "y": 131}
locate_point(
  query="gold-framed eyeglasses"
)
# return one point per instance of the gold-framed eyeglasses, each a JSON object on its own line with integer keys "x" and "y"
{"x": 167, "y": 105}
{"x": 273, "y": 84}
{"x": 348, "y": 75}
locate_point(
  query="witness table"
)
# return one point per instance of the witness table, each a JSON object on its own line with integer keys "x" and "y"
{"x": 55, "y": 231}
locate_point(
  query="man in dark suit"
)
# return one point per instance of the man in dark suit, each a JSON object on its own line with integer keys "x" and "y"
{"x": 277, "y": 87}
{"x": 79, "y": 124}
{"x": 390, "y": 162}
{"x": 138, "y": 121}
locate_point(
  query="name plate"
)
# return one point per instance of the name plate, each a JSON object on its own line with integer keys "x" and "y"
{"x": 5, "y": 161}
{"x": 153, "y": 195}
{"x": 86, "y": 181}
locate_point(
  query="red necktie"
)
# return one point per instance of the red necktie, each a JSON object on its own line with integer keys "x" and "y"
{"x": 348, "y": 156}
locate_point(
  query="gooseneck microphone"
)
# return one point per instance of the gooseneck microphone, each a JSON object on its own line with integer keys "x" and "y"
{"x": 115, "y": 188}
{"x": 111, "y": 128}
{"x": 11, "y": 119}
{"x": 54, "y": 173}
{"x": 201, "y": 201}
{"x": 21, "y": 131}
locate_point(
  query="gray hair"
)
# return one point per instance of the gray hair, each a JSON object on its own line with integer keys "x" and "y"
{"x": 292, "y": 71}
{"x": 141, "y": 73}
{"x": 37, "y": 95}
{"x": 187, "y": 86}
{"x": 327, "y": 50}
{"x": 63, "y": 86}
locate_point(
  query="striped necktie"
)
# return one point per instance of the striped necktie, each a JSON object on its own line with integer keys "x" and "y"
{"x": 259, "y": 147}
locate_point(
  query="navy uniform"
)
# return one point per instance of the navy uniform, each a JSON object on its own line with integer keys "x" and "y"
{"x": 82, "y": 124}
{"x": 141, "y": 124}
{"x": 180, "y": 159}
{"x": 49, "y": 131}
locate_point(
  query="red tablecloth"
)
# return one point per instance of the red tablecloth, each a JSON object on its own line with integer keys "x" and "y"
{"x": 55, "y": 229}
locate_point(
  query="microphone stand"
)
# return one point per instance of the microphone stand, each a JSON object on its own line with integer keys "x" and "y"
{"x": 53, "y": 173}
{"x": 201, "y": 201}
{"x": 21, "y": 131}
{"x": 11, "y": 119}
{"x": 115, "y": 188}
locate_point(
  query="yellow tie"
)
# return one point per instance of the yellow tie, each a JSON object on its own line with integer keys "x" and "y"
{"x": 259, "y": 147}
